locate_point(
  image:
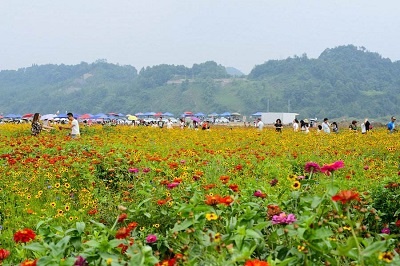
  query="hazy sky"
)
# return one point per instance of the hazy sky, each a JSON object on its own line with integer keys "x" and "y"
{"x": 234, "y": 33}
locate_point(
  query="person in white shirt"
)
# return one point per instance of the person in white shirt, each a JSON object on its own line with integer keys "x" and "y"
{"x": 73, "y": 125}
{"x": 295, "y": 125}
{"x": 169, "y": 124}
{"x": 325, "y": 126}
{"x": 260, "y": 124}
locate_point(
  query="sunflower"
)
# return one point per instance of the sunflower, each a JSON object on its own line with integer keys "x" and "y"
{"x": 53, "y": 204}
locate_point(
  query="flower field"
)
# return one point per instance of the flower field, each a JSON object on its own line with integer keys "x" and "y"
{"x": 229, "y": 196}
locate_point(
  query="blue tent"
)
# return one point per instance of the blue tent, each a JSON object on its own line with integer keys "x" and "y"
{"x": 12, "y": 116}
{"x": 257, "y": 114}
{"x": 167, "y": 114}
{"x": 225, "y": 114}
{"x": 149, "y": 113}
{"x": 199, "y": 114}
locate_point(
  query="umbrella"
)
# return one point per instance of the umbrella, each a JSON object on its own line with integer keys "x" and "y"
{"x": 225, "y": 114}
{"x": 196, "y": 119}
{"x": 139, "y": 114}
{"x": 158, "y": 114}
{"x": 199, "y": 114}
{"x": 12, "y": 116}
{"x": 132, "y": 117}
{"x": 27, "y": 115}
{"x": 213, "y": 114}
{"x": 187, "y": 113}
{"x": 85, "y": 116}
{"x": 236, "y": 114}
{"x": 257, "y": 114}
{"x": 47, "y": 117}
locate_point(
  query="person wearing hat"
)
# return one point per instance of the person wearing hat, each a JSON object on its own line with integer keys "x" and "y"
{"x": 353, "y": 126}
{"x": 391, "y": 125}
{"x": 325, "y": 126}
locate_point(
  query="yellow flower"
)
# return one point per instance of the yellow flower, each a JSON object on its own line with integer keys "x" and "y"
{"x": 142, "y": 228}
{"x": 211, "y": 216}
{"x": 300, "y": 248}
{"x": 109, "y": 261}
{"x": 67, "y": 185}
{"x": 71, "y": 218}
{"x": 347, "y": 228}
{"x": 217, "y": 237}
{"x": 292, "y": 177}
{"x": 296, "y": 185}
{"x": 156, "y": 225}
{"x": 57, "y": 185}
{"x": 53, "y": 204}
{"x": 386, "y": 256}
{"x": 67, "y": 207}
{"x": 168, "y": 194}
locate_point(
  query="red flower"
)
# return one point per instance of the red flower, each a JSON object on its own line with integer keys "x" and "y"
{"x": 226, "y": 200}
{"x": 92, "y": 212}
{"x": 234, "y": 187}
{"x": 29, "y": 263}
{"x": 24, "y": 236}
{"x": 398, "y": 223}
{"x": 345, "y": 196}
{"x": 224, "y": 179}
{"x": 161, "y": 202}
{"x": 239, "y": 167}
{"x": 4, "y": 253}
{"x": 256, "y": 263}
{"x": 132, "y": 225}
{"x": 122, "y": 233}
{"x": 122, "y": 217}
{"x": 212, "y": 200}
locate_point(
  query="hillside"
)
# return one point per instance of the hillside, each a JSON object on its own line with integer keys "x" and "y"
{"x": 345, "y": 81}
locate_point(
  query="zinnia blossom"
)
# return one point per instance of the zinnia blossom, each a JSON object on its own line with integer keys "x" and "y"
{"x": 29, "y": 263}
{"x": 122, "y": 217}
{"x": 329, "y": 168}
{"x": 259, "y": 194}
{"x": 312, "y": 167}
{"x": 345, "y": 196}
{"x": 81, "y": 261}
{"x": 151, "y": 238}
{"x": 212, "y": 200}
{"x": 24, "y": 236}
{"x": 123, "y": 233}
{"x": 172, "y": 185}
{"x": 4, "y": 253}
{"x": 283, "y": 218}
{"x": 385, "y": 231}
{"x": 256, "y": 262}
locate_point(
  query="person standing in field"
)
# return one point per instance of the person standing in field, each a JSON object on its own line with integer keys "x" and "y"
{"x": 325, "y": 126}
{"x": 295, "y": 125}
{"x": 260, "y": 124}
{"x": 391, "y": 125}
{"x": 36, "y": 126}
{"x": 278, "y": 125}
{"x": 73, "y": 126}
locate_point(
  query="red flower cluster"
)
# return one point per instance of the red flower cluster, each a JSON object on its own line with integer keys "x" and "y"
{"x": 123, "y": 233}
{"x": 4, "y": 253}
{"x": 234, "y": 187}
{"x": 24, "y": 236}
{"x": 122, "y": 217}
{"x": 217, "y": 199}
{"x": 256, "y": 263}
{"x": 329, "y": 168}
{"x": 345, "y": 196}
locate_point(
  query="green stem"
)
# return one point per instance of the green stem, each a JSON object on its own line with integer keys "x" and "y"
{"x": 360, "y": 257}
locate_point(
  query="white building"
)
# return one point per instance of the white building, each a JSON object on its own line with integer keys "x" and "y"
{"x": 270, "y": 118}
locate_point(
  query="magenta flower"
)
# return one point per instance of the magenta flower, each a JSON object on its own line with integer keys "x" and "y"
{"x": 151, "y": 239}
{"x": 133, "y": 170}
{"x": 196, "y": 177}
{"x": 172, "y": 185}
{"x": 301, "y": 177}
{"x": 258, "y": 193}
{"x": 366, "y": 167}
{"x": 273, "y": 182}
{"x": 312, "y": 167}
{"x": 183, "y": 161}
{"x": 385, "y": 231}
{"x": 332, "y": 167}
{"x": 283, "y": 218}
{"x": 146, "y": 170}
{"x": 81, "y": 261}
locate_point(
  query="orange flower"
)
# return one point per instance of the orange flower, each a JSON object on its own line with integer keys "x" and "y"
{"x": 226, "y": 200}
{"x": 29, "y": 263}
{"x": 122, "y": 217}
{"x": 210, "y": 186}
{"x": 213, "y": 200}
{"x": 132, "y": 225}
{"x": 234, "y": 187}
{"x": 345, "y": 196}
{"x": 224, "y": 179}
{"x": 256, "y": 263}
{"x": 4, "y": 253}
{"x": 122, "y": 233}
{"x": 24, "y": 236}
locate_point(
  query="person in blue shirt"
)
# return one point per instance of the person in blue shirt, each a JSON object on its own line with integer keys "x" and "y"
{"x": 391, "y": 125}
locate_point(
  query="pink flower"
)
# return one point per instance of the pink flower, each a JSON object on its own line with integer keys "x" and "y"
{"x": 133, "y": 170}
{"x": 385, "y": 231}
{"x": 366, "y": 167}
{"x": 283, "y": 218}
{"x": 151, "y": 239}
{"x": 300, "y": 177}
{"x": 146, "y": 170}
{"x": 258, "y": 193}
{"x": 312, "y": 167}
{"x": 328, "y": 168}
{"x": 172, "y": 185}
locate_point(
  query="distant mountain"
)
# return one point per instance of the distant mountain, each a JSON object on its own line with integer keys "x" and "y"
{"x": 344, "y": 81}
{"x": 234, "y": 72}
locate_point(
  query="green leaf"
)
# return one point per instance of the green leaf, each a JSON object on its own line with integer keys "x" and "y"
{"x": 182, "y": 226}
{"x": 374, "y": 248}
{"x": 253, "y": 234}
{"x": 80, "y": 226}
{"x": 321, "y": 233}
{"x": 36, "y": 247}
